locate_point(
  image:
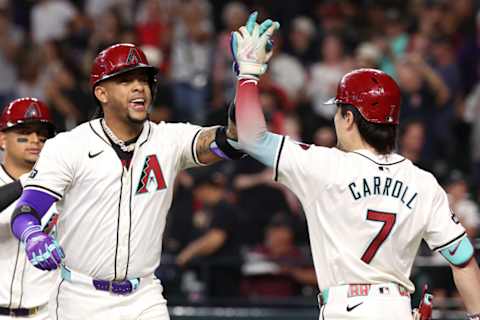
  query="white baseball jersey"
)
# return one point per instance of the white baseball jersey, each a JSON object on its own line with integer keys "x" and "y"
{"x": 21, "y": 284}
{"x": 111, "y": 217}
{"x": 366, "y": 214}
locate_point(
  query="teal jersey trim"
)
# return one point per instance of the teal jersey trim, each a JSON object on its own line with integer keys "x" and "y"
{"x": 264, "y": 149}
{"x": 458, "y": 253}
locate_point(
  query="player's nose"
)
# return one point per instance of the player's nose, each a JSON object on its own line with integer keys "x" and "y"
{"x": 138, "y": 85}
{"x": 35, "y": 137}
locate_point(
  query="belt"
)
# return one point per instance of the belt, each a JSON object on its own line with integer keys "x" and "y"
{"x": 21, "y": 312}
{"x": 123, "y": 287}
{"x": 356, "y": 290}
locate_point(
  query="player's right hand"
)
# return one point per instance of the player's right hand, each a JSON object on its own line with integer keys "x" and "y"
{"x": 251, "y": 47}
{"x": 42, "y": 250}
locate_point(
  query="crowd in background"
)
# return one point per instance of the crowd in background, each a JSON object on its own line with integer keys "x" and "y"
{"x": 247, "y": 232}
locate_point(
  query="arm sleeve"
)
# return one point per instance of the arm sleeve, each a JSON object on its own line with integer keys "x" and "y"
{"x": 294, "y": 163}
{"x": 443, "y": 227}
{"x": 252, "y": 132}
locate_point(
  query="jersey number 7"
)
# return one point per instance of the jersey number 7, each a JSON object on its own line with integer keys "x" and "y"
{"x": 388, "y": 220}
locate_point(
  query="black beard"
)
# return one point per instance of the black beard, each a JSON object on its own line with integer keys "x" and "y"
{"x": 136, "y": 121}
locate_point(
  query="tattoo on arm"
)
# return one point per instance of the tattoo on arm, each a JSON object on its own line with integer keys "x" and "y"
{"x": 205, "y": 138}
{"x": 232, "y": 130}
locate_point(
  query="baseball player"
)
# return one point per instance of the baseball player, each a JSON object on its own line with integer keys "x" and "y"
{"x": 25, "y": 124}
{"x": 112, "y": 180}
{"x": 367, "y": 207}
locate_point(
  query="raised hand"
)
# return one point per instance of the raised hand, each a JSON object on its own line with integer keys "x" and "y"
{"x": 251, "y": 47}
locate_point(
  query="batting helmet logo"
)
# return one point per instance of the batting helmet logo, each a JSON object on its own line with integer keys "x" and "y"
{"x": 32, "y": 111}
{"x": 133, "y": 57}
{"x": 373, "y": 92}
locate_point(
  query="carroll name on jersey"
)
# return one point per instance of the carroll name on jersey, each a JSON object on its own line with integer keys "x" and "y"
{"x": 383, "y": 186}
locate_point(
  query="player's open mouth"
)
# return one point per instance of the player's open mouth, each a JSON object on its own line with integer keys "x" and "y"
{"x": 33, "y": 150}
{"x": 137, "y": 104}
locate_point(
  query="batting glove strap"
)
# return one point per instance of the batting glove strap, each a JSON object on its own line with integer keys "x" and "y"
{"x": 475, "y": 316}
{"x": 29, "y": 231}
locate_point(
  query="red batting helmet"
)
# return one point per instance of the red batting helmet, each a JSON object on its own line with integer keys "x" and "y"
{"x": 373, "y": 92}
{"x": 26, "y": 110}
{"x": 118, "y": 59}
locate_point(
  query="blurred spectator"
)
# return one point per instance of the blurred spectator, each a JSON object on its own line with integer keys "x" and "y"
{"x": 152, "y": 25}
{"x": 11, "y": 41}
{"x": 301, "y": 40}
{"x": 325, "y": 74}
{"x": 368, "y": 55}
{"x": 50, "y": 19}
{"x": 325, "y": 137}
{"x": 258, "y": 197}
{"x": 216, "y": 246}
{"x": 287, "y": 72}
{"x": 277, "y": 268}
{"x": 234, "y": 15}
{"x": 424, "y": 94}
{"x": 97, "y": 8}
{"x": 412, "y": 142}
{"x": 464, "y": 208}
{"x": 31, "y": 82}
{"x": 472, "y": 115}
{"x": 69, "y": 103}
{"x": 191, "y": 53}
{"x": 106, "y": 33}
{"x": 397, "y": 38}
{"x": 423, "y": 90}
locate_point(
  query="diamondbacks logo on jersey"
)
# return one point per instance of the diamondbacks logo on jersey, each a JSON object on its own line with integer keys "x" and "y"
{"x": 32, "y": 111}
{"x": 133, "y": 57}
{"x": 151, "y": 178}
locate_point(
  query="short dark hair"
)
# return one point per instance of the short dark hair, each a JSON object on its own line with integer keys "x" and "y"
{"x": 382, "y": 137}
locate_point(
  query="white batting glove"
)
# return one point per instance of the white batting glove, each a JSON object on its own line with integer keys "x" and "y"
{"x": 251, "y": 47}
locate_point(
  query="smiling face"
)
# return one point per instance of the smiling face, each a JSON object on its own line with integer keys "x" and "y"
{"x": 126, "y": 97}
{"x": 23, "y": 143}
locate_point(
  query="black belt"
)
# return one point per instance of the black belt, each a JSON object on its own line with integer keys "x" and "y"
{"x": 21, "y": 312}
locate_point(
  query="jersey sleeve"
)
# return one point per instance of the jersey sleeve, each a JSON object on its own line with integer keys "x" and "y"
{"x": 303, "y": 168}
{"x": 54, "y": 169}
{"x": 186, "y": 137}
{"x": 443, "y": 228}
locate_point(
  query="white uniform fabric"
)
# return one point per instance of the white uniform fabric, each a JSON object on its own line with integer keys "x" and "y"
{"x": 111, "y": 218}
{"x": 338, "y": 190}
{"x": 383, "y": 301}
{"x": 146, "y": 302}
{"x": 21, "y": 284}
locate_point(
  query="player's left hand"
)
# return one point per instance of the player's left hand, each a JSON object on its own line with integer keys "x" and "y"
{"x": 251, "y": 47}
{"x": 43, "y": 251}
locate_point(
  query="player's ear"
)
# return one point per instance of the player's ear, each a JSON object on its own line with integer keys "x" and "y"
{"x": 349, "y": 119}
{"x": 101, "y": 94}
{"x": 3, "y": 140}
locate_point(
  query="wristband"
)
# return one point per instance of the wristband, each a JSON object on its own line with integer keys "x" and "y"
{"x": 222, "y": 148}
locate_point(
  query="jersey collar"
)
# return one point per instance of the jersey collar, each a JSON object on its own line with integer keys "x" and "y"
{"x": 388, "y": 159}
{"x": 144, "y": 136}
